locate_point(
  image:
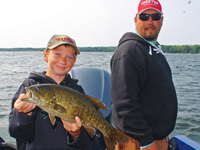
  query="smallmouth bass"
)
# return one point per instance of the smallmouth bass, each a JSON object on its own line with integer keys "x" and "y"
{"x": 67, "y": 103}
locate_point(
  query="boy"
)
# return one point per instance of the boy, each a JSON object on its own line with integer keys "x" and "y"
{"x": 29, "y": 124}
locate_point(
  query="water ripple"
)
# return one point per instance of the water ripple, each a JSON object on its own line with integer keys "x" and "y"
{"x": 16, "y": 67}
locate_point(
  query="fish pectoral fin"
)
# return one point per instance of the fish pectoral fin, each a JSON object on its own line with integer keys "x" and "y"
{"x": 52, "y": 119}
{"x": 98, "y": 103}
{"x": 58, "y": 108}
{"x": 90, "y": 130}
{"x": 54, "y": 98}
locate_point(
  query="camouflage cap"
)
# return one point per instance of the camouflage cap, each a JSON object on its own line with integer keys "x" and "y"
{"x": 58, "y": 40}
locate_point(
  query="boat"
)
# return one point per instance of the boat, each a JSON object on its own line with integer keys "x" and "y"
{"x": 181, "y": 142}
{"x": 6, "y": 146}
{"x": 96, "y": 82}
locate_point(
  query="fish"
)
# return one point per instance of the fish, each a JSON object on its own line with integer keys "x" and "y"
{"x": 67, "y": 103}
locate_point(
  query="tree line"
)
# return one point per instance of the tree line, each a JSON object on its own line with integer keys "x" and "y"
{"x": 185, "y": 49}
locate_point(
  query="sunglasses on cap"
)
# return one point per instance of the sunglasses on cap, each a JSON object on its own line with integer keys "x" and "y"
{"x": 145, "y": 17}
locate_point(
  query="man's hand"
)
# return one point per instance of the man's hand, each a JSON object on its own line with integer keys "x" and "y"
{"x": 24, "y": 107}
{"x": 152, "y": 147}
{"x": 73, "y": 128}
{"x": 158, "y": 145}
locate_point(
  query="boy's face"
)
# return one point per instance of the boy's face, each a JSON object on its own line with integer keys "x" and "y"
{"x": 60, "y": 61}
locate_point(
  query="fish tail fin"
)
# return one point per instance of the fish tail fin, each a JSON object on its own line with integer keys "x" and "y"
{"x": 116, "y": 137}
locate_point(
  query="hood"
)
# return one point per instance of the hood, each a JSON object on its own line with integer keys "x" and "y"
{"x": 42, "y": 78}
{"x": 132, "y": 36}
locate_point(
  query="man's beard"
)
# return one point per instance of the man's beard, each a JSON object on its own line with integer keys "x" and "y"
{"x": 150, "y": 37}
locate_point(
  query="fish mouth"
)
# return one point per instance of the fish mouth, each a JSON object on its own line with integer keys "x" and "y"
{"x": 30, "y": 96}
{"x": 29, "y": 93}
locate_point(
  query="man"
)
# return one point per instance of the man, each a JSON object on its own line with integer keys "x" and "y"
{"x": 142, "y": 90}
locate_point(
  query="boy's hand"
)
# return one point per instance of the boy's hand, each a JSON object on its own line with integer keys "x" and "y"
{"x": 24, "y": 107}
{"x": 73, "y": 128}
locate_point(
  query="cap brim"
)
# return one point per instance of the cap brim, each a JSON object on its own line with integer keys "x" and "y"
{"x": 147, "y": 9}
{"x": 64, "y": 43}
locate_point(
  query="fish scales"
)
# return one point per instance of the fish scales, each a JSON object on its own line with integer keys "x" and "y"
{"x": 67, "y": 103}
{"x": 72, "y": 99}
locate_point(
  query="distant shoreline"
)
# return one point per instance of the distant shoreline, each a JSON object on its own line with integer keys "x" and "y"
{"x": 183, "y": 49}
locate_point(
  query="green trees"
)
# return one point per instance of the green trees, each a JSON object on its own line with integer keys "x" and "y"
{"x": 185, "y": 49}
{"x": 22, "y": 49}
{"x": 98, "y": 49}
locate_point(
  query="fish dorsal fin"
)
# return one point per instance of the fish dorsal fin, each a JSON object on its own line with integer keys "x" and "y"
{"x": 52, "y": 119}
{"x": 98, "y": 103}
{"x": 90, "y": 130}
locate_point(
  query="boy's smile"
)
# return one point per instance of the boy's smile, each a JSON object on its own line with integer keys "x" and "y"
{"x": 60, "y": 61}
{"x": 62, "y": 68}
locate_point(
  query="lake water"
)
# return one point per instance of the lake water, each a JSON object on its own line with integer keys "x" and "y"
{"x": 16, "y": 66}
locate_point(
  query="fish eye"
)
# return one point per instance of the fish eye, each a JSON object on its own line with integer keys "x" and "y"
{"x": 37, "y": 89}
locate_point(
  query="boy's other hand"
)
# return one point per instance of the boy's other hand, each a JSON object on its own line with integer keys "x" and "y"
{"x": 25, "y": 107}
{"x": 74, "y": 129}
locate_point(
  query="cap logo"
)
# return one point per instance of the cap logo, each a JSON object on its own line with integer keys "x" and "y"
{"x": 64, "y": 38}
{"x": 151, "y": 2}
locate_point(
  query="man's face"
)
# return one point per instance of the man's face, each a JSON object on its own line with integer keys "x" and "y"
{"x": 149, "y": 29}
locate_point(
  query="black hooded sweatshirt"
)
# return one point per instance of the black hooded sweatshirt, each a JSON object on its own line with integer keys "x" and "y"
{"x": 35, "y": 132}
{"x": 142, "y": 91}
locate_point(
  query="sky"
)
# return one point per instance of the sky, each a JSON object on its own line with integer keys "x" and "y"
{"x": 92, "y": 23}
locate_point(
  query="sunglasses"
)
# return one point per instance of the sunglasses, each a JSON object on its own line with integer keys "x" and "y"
{"x": 145, "y": 17}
